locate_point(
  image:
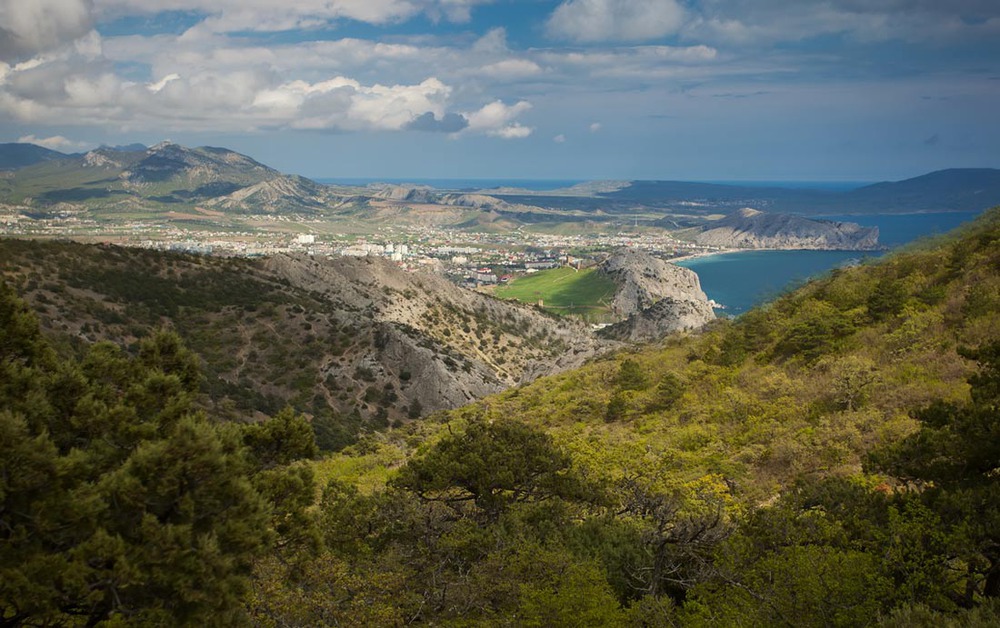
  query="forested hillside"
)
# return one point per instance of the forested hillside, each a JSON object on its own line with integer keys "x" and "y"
{"x": 828, "y": 460}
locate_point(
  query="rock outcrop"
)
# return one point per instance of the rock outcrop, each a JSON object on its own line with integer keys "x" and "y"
{"x": 753, "y": 229}
{"x": 664, "y": 317}
{"x": 655, "y": 298}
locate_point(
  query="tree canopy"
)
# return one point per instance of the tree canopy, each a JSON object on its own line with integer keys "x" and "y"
{"x": 118, "y": 499}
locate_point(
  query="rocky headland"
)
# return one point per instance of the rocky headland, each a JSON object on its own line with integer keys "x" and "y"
{"x": 654, "y": 298}
{"x": 753, "y": 229}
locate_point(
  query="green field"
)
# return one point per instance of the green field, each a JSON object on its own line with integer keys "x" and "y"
{"x": 565, "y": 291}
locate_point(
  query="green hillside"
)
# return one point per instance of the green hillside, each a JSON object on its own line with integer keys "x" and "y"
{"x": 780, "y": 469}
{"x": 564, "y": 291}
{"x": 830, "y": 459}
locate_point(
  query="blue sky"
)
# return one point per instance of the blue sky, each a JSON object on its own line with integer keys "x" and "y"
{"x": 568, "y": 89}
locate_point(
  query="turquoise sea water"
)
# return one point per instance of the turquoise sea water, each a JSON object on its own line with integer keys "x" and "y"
{"x": 742, "y": 280}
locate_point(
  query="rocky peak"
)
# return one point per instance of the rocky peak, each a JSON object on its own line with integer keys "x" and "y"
{"x": 161, "y": 146}
{"x": 654, "y": 296}
{"x": 643, "y": 280}
{"x": 100, "y": 158}
{"x": 407, "y": 193}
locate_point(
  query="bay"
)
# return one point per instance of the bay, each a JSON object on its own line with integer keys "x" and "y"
{"x": 739, "y": 281}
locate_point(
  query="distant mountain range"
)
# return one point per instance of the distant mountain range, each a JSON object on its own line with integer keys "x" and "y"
{"x": 216, "y": 185}
{"x": 14, "y": 156}
{"x": 957, "y": 189}
{"x": 162, "y": 178}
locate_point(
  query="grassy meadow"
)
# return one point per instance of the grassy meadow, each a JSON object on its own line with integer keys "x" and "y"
{"x": 564, "y": 291}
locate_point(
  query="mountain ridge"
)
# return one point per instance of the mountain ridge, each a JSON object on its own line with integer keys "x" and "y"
{"x": 164, "y": 176}
{"x": 167, "y": 176}
{"x": 16, "y": 155}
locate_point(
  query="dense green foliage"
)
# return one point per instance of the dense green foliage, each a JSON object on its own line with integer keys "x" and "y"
{"x": 121, "y": 502}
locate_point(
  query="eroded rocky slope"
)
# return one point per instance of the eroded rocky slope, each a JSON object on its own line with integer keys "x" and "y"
{"x": 358, "y": 343}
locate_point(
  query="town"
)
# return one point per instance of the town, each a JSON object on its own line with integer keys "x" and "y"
{"x": 469, "y": 258}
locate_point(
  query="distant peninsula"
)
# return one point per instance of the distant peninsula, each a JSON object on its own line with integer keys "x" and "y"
{"x": 752, "y": 229}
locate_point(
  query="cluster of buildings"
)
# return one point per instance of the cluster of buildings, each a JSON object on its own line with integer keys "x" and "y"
{"x": 469, "y": 258}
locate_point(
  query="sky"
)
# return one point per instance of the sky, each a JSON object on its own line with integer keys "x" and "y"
{"x": 818, "y": 90}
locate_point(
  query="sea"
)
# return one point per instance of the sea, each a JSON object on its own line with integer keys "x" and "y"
{"x": 739, "y": 281}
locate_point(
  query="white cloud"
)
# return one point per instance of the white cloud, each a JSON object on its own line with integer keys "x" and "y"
{"x": 595, "y": 127}
{"x": 28, "y": 27}
{"x": 615, "y": 20}
{"x": 160, "y": 84}
{"x": 222, "y": 96}
{"x": 56, "y": 142}
{"x": 458, "y": 11}
{"x": 512, "y": 132}
{"x": 559, "y": 139}
{"x": 348, "y": 105}
{"x": 497, "y": 119}
{"x": 495, "y": 115}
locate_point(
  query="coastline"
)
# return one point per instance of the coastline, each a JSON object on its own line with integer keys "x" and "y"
{"x": 690, "y": 256}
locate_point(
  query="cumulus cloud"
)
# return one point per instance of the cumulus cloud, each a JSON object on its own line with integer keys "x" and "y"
{"x": 346, "y": 104}
{"x": 497, "y": 119}
{"x": 449, "y": 123}
{"x": 595, "y": 127}
{"x": 29, "y": 27}
{"x": 56, "y": 142}
{"x": 615, "y": 20}
{"x": 559, "y": 139}
{"x": 224, "y": 96}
